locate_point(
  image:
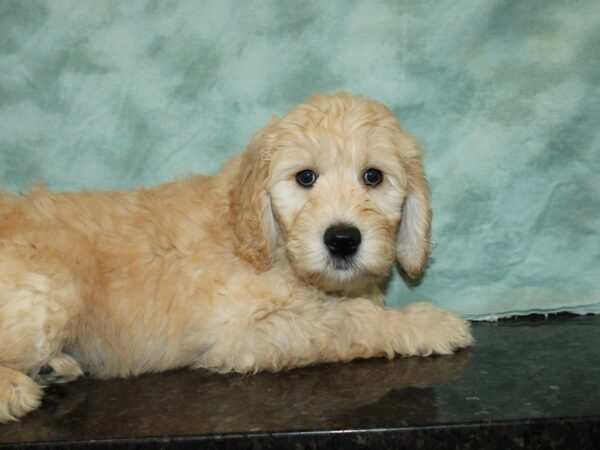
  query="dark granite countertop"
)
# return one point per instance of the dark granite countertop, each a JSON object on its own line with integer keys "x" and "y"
{"x": 528, "y": 383}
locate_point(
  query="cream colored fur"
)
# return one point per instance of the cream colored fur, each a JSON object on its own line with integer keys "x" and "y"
{"x": 225, "y": 272}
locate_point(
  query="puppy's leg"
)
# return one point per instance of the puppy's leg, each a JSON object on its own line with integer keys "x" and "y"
{"x": 294, "y": 333}
{"x": 40, "y": 302}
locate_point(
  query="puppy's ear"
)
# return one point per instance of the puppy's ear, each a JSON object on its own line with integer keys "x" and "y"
{"x": 412, "y": 244}
{"x": 250, "y": 214}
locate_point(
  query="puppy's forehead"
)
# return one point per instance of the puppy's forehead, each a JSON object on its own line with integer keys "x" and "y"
{"x": 336, "y": 137}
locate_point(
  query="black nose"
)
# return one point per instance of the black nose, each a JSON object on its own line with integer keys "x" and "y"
{"x": 342, "y": 240}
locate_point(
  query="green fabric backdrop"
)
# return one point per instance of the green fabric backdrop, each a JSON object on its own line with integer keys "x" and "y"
{"x": 504, "y": 96}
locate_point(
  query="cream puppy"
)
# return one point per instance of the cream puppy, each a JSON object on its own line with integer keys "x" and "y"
{"x": 272, "y": 264}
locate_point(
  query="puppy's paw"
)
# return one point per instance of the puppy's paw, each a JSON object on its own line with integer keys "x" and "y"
{"x": 429, "y": 330}
{"x": 60, "y": 369}
{"x": 19, "y": 395}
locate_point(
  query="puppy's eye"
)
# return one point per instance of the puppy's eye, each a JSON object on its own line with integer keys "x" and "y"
{"x": 306, "y": 178}
{"x": 373, "y": 177}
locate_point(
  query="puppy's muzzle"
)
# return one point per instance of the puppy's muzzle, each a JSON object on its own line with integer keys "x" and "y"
{"x": 342, "y": 240}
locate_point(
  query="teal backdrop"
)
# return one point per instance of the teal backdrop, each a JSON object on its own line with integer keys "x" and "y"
{"x": 504, "y": 96}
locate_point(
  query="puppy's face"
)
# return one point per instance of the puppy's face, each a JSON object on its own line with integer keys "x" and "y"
{"x": 338, "y": 178}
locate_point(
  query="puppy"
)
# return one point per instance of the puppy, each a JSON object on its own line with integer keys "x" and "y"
{"x": 272, "y": 264}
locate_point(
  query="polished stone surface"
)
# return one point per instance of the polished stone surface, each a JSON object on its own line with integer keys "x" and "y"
{"x": 527, "y": 383}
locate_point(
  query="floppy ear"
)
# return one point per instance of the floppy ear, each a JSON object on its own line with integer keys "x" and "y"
{"x": 412, "y": 243}
{"x": 250, "y": 214}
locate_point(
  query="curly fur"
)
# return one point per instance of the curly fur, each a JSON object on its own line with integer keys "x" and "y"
{"x": 225, "y": 272}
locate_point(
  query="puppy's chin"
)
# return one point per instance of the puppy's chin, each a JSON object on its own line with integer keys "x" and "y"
{"x": 339, "y": 275}
{"x": 345, "y": 277}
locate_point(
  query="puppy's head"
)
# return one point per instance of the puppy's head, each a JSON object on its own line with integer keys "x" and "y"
{"x": 339, "y": 185}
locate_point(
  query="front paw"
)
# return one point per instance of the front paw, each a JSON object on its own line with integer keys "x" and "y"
{"x": 426, "y": 330}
